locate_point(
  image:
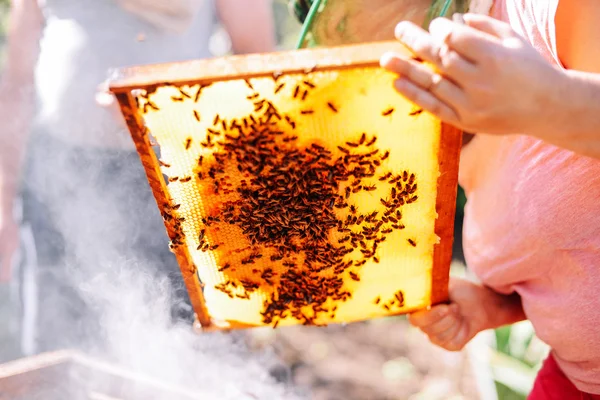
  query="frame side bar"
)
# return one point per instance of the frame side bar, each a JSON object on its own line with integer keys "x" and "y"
{"x": 449, "y": 156}
{"x": 157, "y": 184}
{"x": 206, "y": 71}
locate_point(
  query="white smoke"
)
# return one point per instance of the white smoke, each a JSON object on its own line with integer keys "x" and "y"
{"x": 127, "y": 318}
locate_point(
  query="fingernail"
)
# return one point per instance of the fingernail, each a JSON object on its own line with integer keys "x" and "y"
{"x": 440, "y": 29}
{"x": 386, "y": 59}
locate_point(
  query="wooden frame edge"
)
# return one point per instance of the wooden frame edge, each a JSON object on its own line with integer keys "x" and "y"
{"x": 289, "y": 62}
{"x": 449, "y": 151}
{"x": 158, "y": 185}
{"x": 252, "y": 66}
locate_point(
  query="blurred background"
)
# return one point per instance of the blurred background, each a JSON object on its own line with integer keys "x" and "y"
{"x": 380, "y": 359}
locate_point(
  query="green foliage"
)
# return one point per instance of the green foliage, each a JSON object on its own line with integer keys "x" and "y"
{"x": 506, "y": 393}
{"x": 516, "y": 360}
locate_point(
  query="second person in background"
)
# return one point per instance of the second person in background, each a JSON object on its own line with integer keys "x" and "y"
{"x": 88, "y": 210}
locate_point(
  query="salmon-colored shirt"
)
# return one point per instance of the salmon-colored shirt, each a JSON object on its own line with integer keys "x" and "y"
{"x": 532, "y": 221}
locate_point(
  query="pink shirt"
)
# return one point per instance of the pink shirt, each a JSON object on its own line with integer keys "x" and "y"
{"x": 532, "y": 221}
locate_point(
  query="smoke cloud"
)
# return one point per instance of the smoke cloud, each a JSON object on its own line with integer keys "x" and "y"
{"x": 110, "y": 293}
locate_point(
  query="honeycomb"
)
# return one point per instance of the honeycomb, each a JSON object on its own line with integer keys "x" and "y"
{"x": 297, "y": 187}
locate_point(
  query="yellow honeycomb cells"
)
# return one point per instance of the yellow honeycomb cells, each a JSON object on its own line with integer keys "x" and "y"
{"x": 324, "y": 109}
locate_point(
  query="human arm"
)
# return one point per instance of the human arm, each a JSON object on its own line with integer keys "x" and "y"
{"x": 249, "y": 23}
{"x": 473, "y": 308}
{"x": 16, "y": 112}
{"x": 495, "y": 82}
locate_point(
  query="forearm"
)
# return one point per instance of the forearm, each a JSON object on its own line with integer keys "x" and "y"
{"x": 575, "y": 121}
{"x": 16, "y": 94}
{"x": 16, "y": 112}
{"x": 502, "y": 309}
{"x": 250, "y": 24}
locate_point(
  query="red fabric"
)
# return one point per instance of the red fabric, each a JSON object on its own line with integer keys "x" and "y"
{"x": 552, "y": 384}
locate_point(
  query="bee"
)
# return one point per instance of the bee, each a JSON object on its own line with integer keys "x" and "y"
{"x": 197, "y": 96}
{"x": 184, "y": 94}
{"x": 372, "y": 141}
{"x": 224, "y": 267}
{"x": 412, "y": 242}
{"x": 332, "y": 107}
{"x": 385, "y": 177}
{"x": 363, "y": 137}
{"x": 387, "y": 112}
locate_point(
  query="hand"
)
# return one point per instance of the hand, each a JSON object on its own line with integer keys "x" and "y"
{"x": 105, "y": 99}
{"x": 472, "y": 309}
{"x": 9, "y": 242}
{"x": 487, "y": 78}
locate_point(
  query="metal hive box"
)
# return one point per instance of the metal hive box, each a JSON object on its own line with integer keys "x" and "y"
{"x": 296, "y": 187}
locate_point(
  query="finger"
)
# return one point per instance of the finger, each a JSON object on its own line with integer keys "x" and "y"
{"x": 419, "y": 41}
{"x": 424, "y": 318}
{"x": 105, "y": 99}
{"x": 442, "y": 325}
{"x": 468, "y": 42}
{"x": 448, "y": 334}
{"x": 424, "y": 77}
{"x": 455, "y": 66}
{"x": 489, "y": 25}
{"x": 427, "y": 101}
{"x": 459, "y": 340}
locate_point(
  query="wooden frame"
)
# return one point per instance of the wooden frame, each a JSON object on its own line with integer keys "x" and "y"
{"x": 264, "y": 65}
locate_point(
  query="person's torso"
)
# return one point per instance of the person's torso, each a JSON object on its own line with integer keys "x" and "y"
{"x": 82, "y": 41}
{"x": 532, "y": 221}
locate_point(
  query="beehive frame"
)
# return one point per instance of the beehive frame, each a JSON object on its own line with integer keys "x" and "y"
{"x": 205, "y": 72}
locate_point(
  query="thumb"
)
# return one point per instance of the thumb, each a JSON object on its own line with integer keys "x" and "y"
{"x": 489, "y": 25}
{"x": 103, "y": 96}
